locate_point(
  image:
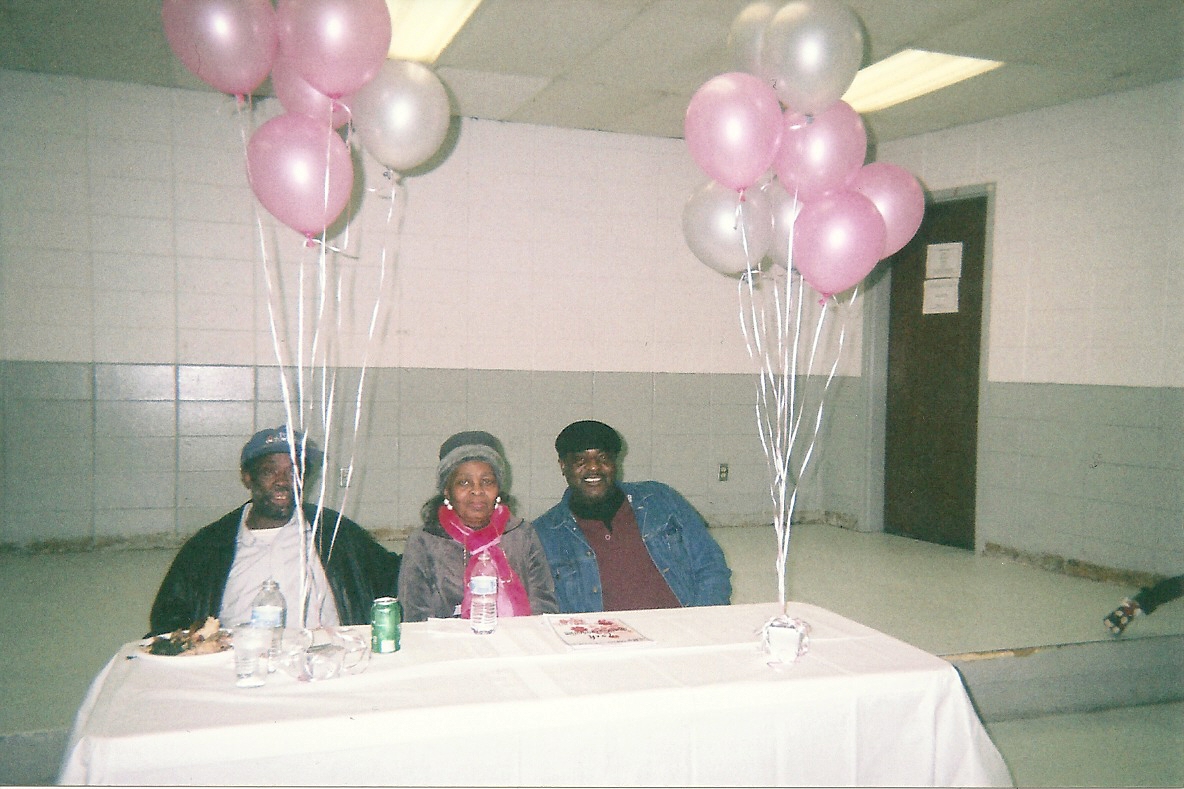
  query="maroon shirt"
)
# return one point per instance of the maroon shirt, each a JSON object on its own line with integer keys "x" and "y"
{"x": 628, "y": 576}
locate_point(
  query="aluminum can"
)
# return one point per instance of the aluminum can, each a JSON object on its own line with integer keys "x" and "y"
{"x": 386, "y": 625}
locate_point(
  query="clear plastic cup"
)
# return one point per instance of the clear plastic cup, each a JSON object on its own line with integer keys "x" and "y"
{"x": 250, "y": 654}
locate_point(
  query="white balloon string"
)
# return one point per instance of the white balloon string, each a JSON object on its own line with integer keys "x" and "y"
{"x": 375, "y": 311}
{"x": 341, "y": 250}
{"x": 321, "y": 366}
{"x": 271, "y": 280}
{"x": 738, "y": 224}
{"x": 770, "y": 409}
{"x": 327, "y": 374}
{"x": 754, "y": 327}
{"x": 396, "y": 198}
{"x": 328, "y": 370}
{"x": 777, "y": 343}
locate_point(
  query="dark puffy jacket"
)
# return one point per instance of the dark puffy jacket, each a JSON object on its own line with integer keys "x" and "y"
{"x": 358, "y": 569}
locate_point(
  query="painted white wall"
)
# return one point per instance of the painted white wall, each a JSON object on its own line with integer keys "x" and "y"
{"x": 1087, "y": 261}
{"x": 130, "y": 235}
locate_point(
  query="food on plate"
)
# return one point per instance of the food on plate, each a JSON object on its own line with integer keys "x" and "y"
{"x": 200, "y": 638}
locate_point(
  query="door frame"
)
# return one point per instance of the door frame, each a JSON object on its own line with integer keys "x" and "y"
{"x": 874, "y": 368}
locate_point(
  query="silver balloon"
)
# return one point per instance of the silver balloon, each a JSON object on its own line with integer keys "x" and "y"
{"x": 728, "y": 234}
{"x": 812, "y": 51}
{"x": 746, "y": 39}
{"x": 402, "y": 114}
{"x": 785, "y": 209}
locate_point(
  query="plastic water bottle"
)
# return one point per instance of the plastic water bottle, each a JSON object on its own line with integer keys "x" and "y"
{"x": 483, "y": 585}
{"x": 269, "y": 609}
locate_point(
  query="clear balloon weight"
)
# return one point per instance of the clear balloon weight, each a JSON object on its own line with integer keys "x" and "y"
{"x": 727, "y": 231}
{"x": 228, "y": 44}
{"x": 402, "y": 114}
{"x": 812, "y": 50}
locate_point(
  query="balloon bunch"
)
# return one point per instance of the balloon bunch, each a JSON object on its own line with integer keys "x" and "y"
{"x": 825, "y": 213}
{"x": 328, "y": 66}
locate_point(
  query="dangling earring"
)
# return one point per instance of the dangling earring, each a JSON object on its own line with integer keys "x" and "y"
{"x": 447, "y": 503}
{"x": 497, "y": 501}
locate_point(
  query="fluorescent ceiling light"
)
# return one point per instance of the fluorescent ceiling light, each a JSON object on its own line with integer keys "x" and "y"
{"x": 909, "y": 74}
{"x": 421, "y": 29}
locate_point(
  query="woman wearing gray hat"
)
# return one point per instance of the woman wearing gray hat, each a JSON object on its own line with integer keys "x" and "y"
{"x": 466, "y": 517}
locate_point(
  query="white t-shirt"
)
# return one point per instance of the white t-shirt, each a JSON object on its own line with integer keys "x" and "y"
{"x": 275, "y": 553}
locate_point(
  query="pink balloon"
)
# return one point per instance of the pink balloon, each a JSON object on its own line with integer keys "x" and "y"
{"x": 228, "y": 44}
{"x": 822, "y": 153}
{"x": 337, "y": 45}
{"x": 296, "y": 95}
{"x": 733, "y": 128}
{"x": 897, "y": 196}
{"x": 837, "y": 241}
{"x": 289, "y": 160}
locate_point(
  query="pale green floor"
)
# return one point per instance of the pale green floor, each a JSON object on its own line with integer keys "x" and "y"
{"x": 949, "y": 601}
{"x": 1131, "y": 746}
{"x": 64, "y": 615}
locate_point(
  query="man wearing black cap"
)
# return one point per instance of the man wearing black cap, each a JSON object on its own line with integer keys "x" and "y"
{"x": 219, "y": 570}
{"x": 618, "y": 546}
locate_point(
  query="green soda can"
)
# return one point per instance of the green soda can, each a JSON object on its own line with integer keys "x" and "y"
{"x": 386, "y": 623}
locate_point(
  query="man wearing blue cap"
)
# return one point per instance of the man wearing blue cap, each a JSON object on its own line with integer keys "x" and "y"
{"x": 618, "y": 546}
{"x": 327, "y": 566}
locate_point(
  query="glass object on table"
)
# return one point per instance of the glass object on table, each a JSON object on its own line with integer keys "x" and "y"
{"x": 785, "y": 639}
{"x": 356, "y": 646}
{"x": 251, "y": 645}
{"x": 324, "y": 653}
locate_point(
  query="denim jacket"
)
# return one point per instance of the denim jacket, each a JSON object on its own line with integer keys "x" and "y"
{"x": 677, "y": 538}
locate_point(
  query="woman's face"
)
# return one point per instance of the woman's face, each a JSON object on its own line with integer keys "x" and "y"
{"x": 473, "y": 491}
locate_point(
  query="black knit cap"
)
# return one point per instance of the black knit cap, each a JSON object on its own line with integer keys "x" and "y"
{"x": 587, "y": 434}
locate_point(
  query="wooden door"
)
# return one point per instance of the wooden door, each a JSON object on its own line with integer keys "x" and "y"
{"x": 934, "y": 336}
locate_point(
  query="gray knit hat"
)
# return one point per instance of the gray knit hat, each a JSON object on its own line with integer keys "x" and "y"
{"x": 471, "y": 445}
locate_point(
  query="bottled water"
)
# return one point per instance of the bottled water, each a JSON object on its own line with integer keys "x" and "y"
{"x": 483, "y": 585}
{"x": 269, "y": 609}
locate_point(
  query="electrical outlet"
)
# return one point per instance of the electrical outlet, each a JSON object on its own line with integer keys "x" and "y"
{"x": 343, "y": 476}
{"x": 723, "y": 472}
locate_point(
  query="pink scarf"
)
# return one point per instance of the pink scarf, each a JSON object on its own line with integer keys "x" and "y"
{"x": 511, "y": 594}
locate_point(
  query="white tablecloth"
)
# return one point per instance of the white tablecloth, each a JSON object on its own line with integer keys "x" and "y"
{"x": 701, "y": 705}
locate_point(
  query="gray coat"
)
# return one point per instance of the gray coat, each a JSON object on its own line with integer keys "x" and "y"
{"x": 432, "y": 574}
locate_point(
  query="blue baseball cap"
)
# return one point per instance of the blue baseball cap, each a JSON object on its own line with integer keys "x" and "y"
{"x": 276, "y": 440}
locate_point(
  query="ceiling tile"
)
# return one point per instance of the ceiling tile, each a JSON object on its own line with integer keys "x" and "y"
{"x": 484, "y": 94}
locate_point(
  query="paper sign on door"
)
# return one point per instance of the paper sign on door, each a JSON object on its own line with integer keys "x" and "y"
{"x": 943, "y": 273}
